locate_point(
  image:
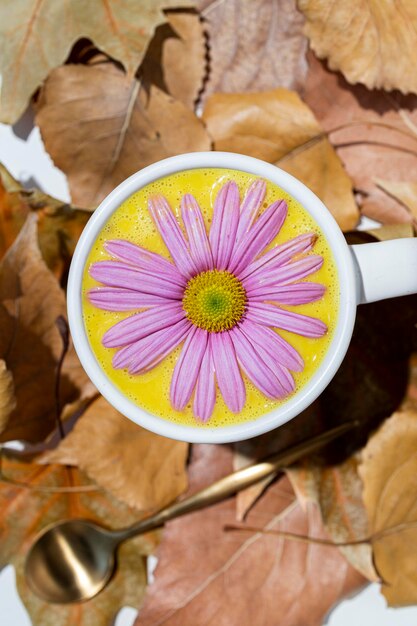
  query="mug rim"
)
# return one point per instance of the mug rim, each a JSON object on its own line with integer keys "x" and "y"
{"x": 341, "y": 334}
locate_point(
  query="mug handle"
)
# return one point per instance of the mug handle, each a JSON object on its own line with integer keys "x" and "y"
{"x": 385, "y": 269}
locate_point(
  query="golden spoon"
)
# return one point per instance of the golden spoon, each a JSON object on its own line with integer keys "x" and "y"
{"x": 73, "y": 560}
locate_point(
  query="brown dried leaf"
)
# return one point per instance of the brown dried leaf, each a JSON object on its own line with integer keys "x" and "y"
{"x": 7, "y": 397}
{"x": 405, "y": 192}
{"x": 275, "y": 126}
{"x": 59, "y": 224}
{"x": 254, "y": 46}
{"x": 366, "y": 146}
{"x": 183, "y": 57}
{"x": 100, "y": 127}
{"x": 138, "y": 467}
{"x": 388, "y": 471}
{"x": 207, "y": 576}
{"x": 38, "y": 37}
{"x": 30, "y": 302}
{"x": 337, "y": 491}
{"x": 25, "y": 511}
{"x": 369, "y": 41}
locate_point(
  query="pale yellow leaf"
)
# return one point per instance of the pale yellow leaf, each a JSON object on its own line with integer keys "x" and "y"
{"x": 37, "y": 36}
{"x": 389, "y": 474}
{"x": 370, "y": 41}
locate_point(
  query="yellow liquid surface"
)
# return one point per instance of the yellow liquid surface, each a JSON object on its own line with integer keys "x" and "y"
{"x": 132, "y": 221}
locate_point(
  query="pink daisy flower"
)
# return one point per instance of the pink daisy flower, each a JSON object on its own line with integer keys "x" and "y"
{"x": 221, "y": 296}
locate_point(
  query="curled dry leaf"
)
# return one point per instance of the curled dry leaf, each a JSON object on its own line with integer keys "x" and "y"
{"x": 138, "y": 467}
{"x": 175, "y": 60}
{"x": 100, "y": 127}
{"x": 278, "y": 127}
{"x": 37, "y": 37}
{"x": 388, "y": 471}
{"x": 25, "y": 511}
{"x": 30, "y": 302}
{"x": 59, "y": 224}
{"x": 254, "y": 45}
{"x": 7, "y": 397}
{"x": 377, "y": 136}
{"x": 369, "y": 41}
{"x": 337, "y": 491}
{"x": 208, "y": 576}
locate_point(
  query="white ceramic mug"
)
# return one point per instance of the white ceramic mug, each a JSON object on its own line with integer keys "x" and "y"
{"x": 366, "y": 273}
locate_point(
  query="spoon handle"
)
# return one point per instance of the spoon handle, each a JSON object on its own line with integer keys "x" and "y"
{"x": 231, "y": 484}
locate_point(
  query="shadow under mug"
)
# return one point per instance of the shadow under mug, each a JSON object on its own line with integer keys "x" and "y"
{"x": 366, "y": 273}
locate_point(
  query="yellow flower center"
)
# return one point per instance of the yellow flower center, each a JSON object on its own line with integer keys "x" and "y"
{"x": 214, "y": 300}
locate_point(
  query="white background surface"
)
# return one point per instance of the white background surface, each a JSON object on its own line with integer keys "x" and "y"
{"x": 27, "y": 161}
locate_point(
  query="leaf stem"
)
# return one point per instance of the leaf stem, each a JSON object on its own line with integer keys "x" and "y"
{"x": 381, "y": 534}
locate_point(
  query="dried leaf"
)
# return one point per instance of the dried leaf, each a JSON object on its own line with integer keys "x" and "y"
{"x": 30, "y": 344}
{"x": 207, "y": 576}
{"x": 100, "y": 127}
{"x": 388, "y": 471}
{"x": 254, "y": 46}
{"x": 7, "y": 397}
{"x": 175, "y": 60}
{"x": 38, "y": 37}
{"x": 376, "y": 138}
{"x": 337, "y": 491}
{"x": 405, "y": 192}
{"x": 246, "y": 498}
{"x": 392, "y": 231}
{"x": 138, "y": 467}
{"x": 369, "y": 41}
{"x": 25, "y": 511}
{"x": 278, "y": 127}
{"x": 370, "y": 384}
{"x": 59, "y": 224}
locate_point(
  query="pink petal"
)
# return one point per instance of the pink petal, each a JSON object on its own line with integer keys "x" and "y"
{"x": 296, "y": 293}
{"x": 282, "y": 275}
{"x": 255, "y": 368}
{"x": 143, "y": 259}
{"x": 271, "y": 315}
{"x": 146, "y": 353}
{"x": 112, "y": 299}
{"x": 250, "y": 207}
{"x": 229, "y": 378}
{"x": 172, "y": 235}
{"x": 224, "y": 224}
{"x": 281, "y": 254}
{"x": 205, "y": 393}
{"x": 187, "y": 368}
{"x": 264, "y": 230}
{"x": 279, "y": 350}
{"x": 121, "y": 275}
{"x": 194, "y": 225}
{"x": 142, "y": 324}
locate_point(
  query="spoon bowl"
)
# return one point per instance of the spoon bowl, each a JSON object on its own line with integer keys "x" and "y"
{"x": 71, "y": 561}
